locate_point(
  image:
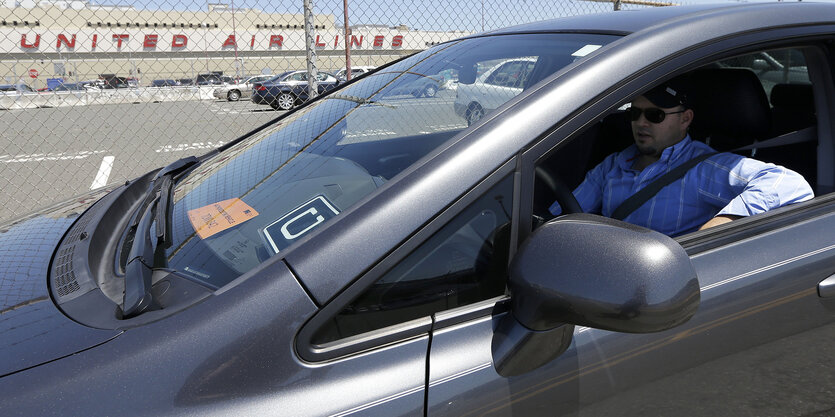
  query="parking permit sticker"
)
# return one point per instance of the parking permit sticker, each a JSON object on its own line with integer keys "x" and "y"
{"x": 586, "y": 50}
{"x": 217, "y": 217}
{"x": 295, "y": 224}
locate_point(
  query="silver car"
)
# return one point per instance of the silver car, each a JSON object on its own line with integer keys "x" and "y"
{"x": 243, "y": 89}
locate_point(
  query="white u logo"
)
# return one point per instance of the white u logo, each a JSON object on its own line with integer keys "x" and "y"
{"x": 312, "y": 212}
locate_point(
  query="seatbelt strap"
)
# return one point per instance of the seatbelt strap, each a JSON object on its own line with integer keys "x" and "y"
{"x": 638, "y": 199}
{"x": 643, "y": 195}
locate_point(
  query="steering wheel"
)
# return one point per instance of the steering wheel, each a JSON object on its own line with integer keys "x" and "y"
{"x": 549, "y": 188}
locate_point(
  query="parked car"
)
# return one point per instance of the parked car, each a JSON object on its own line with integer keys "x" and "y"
{"x": 242, "y": 89}
{"x": 18, "y": 88}
{"x": 492, "y": 88}
{"x": 208, "y": 79}
{"x": 69, "y": 87}
{"x": 356, "y": 71}
{"x": 165, "y": 83}
{"x": 186, "y": 81}
{"x": 365, "y": 256}
{"x": 419, "y": 85}
{"x": 111, "y": 83}
{"x": 287, "y": 90}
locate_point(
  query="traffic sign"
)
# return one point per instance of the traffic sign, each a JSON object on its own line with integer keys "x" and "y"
{"x": 33, "y": 73}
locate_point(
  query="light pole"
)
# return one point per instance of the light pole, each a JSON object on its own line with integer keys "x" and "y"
{"x": 347, "y": 42}
{"x": 311, "y": 50}
{"x": 235, "y": 36}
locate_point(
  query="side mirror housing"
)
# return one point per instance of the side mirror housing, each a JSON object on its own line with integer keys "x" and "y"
{"x": 593, "y": 271}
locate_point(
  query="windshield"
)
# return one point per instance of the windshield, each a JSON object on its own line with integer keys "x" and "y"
{"x": 257, "y": 198}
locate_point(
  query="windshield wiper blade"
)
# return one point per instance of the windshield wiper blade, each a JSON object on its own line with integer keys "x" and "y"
{"x": 138, "y": 269}
{"x": 143, "y": 257}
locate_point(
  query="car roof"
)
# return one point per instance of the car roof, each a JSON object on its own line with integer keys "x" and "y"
{"x": 624, "y": 22}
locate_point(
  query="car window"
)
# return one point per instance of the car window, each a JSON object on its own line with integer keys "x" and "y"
{"x": 464, "y": 262}
{"x": 511, "y": 74}
{"x": 299, "y": 76}
{"x": 740, "y": 104}
{"x": 781, "y": 66}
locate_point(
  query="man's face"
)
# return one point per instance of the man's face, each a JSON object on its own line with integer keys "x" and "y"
{"x": 652, "y": 138}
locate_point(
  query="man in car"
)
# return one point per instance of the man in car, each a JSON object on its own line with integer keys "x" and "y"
{"x": 717, "y": 190}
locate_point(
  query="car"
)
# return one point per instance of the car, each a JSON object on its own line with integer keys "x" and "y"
{"x": 356, "y": 71}
{"x": 210, "y": 79}
{"x": 492, "y": 88}
{"x": 361, "y": 255}
{"x": 19, "y": 88}
{"x": 289, "y": 89}
{"x": 69, "y": 87}
{"x": 165, "y": 83}
{"x": 420, "y": 86}
{"x": 186, "y": 81}
{"x": 241, "y": 89}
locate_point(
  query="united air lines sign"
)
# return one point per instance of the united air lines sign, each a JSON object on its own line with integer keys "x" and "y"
{"x": 137, "y": 41}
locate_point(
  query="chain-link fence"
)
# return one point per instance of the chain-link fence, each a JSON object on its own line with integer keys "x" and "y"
{"x": 97, "y": 93}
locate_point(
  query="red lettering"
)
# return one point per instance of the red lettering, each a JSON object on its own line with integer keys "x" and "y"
{"x": 63, "y": 39}
{"x": 252, "y": 42}
{"x": 356, "y": 42}
{"x": 378, "y": 41}
{"x": 336, "y": 41}
{"x": 230, "y": 41}
{"x": 179, "y": 41}
{"x": 276, "y": 40}
{"x": 319, "y": 44}
{"x": 120, "y": 38}
{"x": 397, "y": 41}
{"x": 23, "y": 43}
{"x": 150, "y": 41}
{"x": 95, "y": 40}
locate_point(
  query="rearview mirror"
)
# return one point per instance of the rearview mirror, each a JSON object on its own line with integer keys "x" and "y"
{"x": 587, "y": 270}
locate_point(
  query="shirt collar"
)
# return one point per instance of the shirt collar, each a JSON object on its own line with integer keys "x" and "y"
{"x": 668, "y": 155}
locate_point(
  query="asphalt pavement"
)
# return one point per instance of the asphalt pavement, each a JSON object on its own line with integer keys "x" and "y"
{"x": 48, "y": 155}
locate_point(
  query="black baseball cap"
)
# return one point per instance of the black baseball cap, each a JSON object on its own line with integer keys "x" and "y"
{"x": 669, "y": 94}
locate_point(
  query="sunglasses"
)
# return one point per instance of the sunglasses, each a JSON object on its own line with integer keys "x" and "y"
{"x": 653, "y": 114}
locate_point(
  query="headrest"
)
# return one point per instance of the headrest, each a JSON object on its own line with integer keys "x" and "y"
{"x": 795, "y": 97}
{"x": 731, "y": 108}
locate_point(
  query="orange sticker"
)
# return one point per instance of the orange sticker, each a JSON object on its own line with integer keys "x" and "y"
{"x": 217, "y": 217}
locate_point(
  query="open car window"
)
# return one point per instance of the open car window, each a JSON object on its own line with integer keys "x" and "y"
{"x": 742, "y": 105}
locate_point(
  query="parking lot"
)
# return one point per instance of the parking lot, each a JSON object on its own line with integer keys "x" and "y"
{"x": 53, "y": 154}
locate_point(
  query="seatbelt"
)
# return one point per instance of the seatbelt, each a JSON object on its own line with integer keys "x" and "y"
{"x": 643, "y": 195}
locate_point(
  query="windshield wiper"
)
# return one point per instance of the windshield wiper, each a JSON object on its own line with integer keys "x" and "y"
{"x": 143, "y": 258}
{"x": 360, "y": 100}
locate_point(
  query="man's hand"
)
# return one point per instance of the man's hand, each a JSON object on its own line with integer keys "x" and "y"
{"x": 721, "y": 219}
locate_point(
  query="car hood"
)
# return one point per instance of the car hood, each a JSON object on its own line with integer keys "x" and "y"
{"x": 32, "y": 329}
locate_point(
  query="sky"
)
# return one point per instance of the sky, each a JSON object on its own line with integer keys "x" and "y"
{"x": 443, "y": 15}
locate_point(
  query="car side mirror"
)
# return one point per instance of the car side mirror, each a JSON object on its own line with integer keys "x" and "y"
{"x": 593, "y": 271}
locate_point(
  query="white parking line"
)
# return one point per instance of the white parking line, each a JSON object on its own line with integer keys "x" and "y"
{"x": 104, "y": 172}
{"x": 38, "y": 157}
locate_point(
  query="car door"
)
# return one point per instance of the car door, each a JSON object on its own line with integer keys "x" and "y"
{"x": 756, "y": 346}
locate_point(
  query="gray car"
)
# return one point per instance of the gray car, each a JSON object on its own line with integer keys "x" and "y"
{"x": 370, "y": 256}
{"x": 239, "y": 90}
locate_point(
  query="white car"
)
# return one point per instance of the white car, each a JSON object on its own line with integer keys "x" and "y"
{"x": 235, "y": 92}
{"x": 492, "y": 88}
{"x": 355, "y": 71}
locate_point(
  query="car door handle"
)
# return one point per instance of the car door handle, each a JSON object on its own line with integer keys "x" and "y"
{"x": 826, "y": 288}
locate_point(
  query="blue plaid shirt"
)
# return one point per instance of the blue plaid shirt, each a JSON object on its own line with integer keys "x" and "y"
{"x": 724, "y": 183}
